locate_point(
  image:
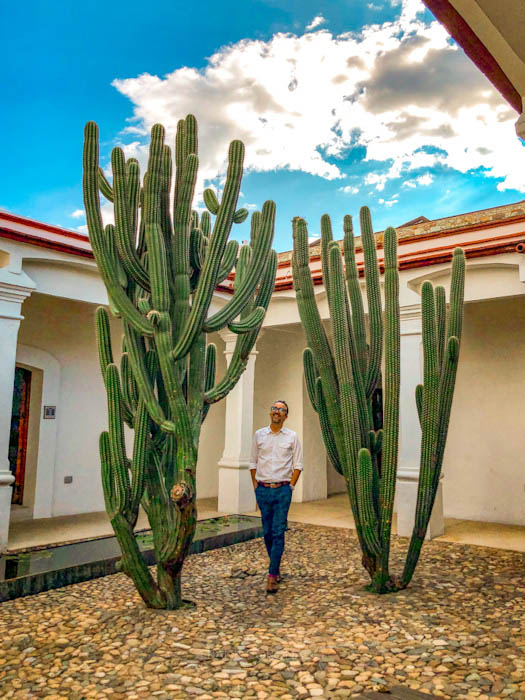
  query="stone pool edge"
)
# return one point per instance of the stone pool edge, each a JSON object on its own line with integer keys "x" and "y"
{"x": 32, "y": 584}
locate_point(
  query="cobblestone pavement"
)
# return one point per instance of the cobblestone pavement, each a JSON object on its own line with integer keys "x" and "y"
{"x": 458, "y": 631}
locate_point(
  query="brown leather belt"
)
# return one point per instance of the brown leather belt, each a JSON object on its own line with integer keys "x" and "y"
{"x": 273, "y": 484}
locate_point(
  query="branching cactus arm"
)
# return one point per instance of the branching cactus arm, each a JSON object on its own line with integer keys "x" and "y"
{"x": 244, "y": 291}
{"x": 246, "y": 340}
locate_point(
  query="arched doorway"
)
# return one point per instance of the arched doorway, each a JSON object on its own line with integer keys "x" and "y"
{"x": 19, "y": 431}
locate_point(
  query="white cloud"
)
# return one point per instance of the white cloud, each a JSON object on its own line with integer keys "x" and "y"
{"x": 77, "y": 214}
{"x": 389, "y": 202}
{"x": 349, "y": 189}
{"x": 426, "y": 179}
{"x": 422, "y": 180}
{"x": 316, "y": 22}
{"x": 106, "y": 210}
{"x": 399, "y": 89}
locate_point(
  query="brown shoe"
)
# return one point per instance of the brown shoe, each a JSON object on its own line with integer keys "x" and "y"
{"x": 271, "y": 585}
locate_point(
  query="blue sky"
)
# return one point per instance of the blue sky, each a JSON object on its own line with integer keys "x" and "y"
{"x": 340, "y": 104}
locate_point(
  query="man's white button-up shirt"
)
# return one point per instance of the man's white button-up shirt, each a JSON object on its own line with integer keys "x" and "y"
{"x": 275, "y": 455}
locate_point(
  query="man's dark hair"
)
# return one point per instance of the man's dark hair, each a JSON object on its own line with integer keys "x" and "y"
{"x": 282, "y": 401}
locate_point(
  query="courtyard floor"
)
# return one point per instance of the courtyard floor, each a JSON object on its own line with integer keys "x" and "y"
{"x": 458, "y": 631}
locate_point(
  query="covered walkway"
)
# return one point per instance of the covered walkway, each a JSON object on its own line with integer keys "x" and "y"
{"x": 331, "y": 512}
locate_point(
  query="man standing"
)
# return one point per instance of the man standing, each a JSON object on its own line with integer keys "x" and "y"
{"x": 275, "y": 465}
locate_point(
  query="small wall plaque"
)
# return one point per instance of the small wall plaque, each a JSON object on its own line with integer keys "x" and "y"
{"x": 50, "y": 412}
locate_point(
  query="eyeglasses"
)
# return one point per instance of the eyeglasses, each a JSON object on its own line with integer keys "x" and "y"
{"x": 278, "y": 408}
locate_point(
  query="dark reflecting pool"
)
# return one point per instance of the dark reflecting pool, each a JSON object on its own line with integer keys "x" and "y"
{"x": 33, "y": 571}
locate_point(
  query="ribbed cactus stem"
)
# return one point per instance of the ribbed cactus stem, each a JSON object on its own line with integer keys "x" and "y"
{"x": 342, "y": 345}
{"x": 105, "y": 354}
{"x": 326, "y": 239}
{"x": 354, "y": 293}
{"x": 441, "y": 321}
{"x": 431, "y": 373}
{"x": 182, "y": 227}
{"x": 365, "y": 501}
{"x": 105, "y": 188}
{"x": 326, "y": 428}
{"x": 373, "y": 294}
{"x": 310, "y": 376}
{"x": 390, "y": 398}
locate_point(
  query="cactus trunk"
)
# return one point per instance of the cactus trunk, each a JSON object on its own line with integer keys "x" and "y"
{"x": 160, "y": 269}
{"x": 345, "y": 381}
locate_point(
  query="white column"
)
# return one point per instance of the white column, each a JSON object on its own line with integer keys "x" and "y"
{"x": 236, "y": 493}
{"x": 313, "y": 483}
{"x": 12, "y": 295}
{"x": 410, "y": 431}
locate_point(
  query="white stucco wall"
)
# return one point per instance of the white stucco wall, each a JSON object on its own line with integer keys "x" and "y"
{"x": 279, "y": 375}
{"x": 484, "y": 462}
{"x": 66, "y": 330}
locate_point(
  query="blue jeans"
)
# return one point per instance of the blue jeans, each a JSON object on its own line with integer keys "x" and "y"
{"x": 274, "y": 505}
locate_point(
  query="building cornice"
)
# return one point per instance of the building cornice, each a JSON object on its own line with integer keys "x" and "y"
{"x": 421, "y": 245}
{"x": 478, "y": 53}
{"x": 433, "y": 242}
{"x": 40, "y": 226}
{"x": 39, "y": 242}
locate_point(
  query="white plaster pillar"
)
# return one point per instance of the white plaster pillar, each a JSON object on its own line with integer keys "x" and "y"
{"x": 236, "y": 493}
{"x": 313, "y": 482}
{"x": 14, "y": 289}
{"x": 410, "y": 431}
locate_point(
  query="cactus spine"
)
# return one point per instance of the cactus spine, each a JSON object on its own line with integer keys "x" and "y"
{"x": 343, "y": 377}
{"x": 160, "y": 269}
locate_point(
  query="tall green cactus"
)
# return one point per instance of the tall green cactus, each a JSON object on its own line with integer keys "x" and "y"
{"x": 343, "y": 376}
{"x": 160, "y": 269}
